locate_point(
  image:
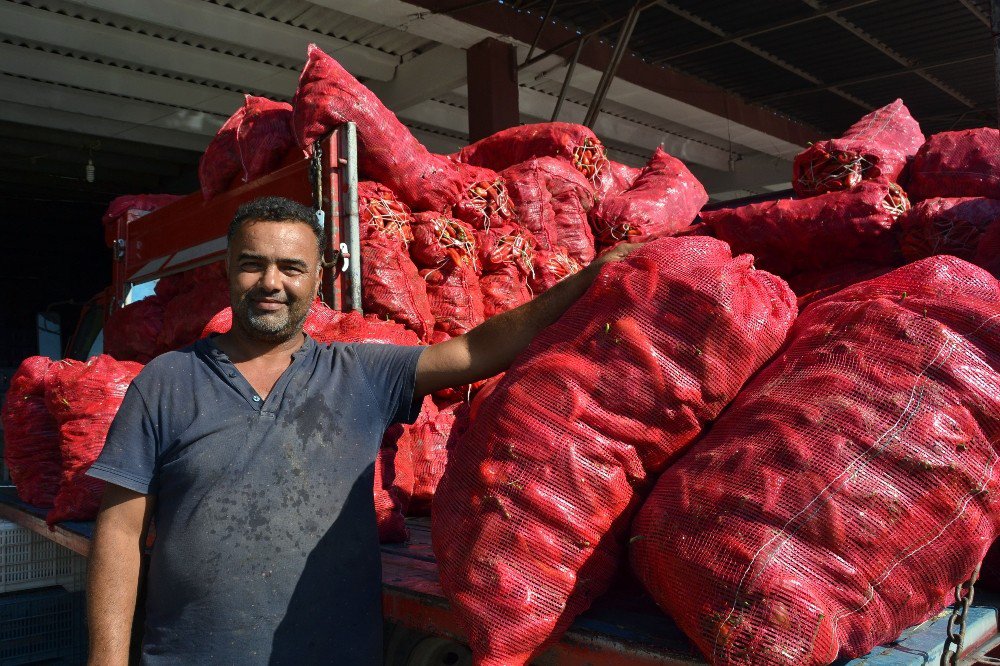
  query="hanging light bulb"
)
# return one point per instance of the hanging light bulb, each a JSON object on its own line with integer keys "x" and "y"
{"x": 90, "y": 170}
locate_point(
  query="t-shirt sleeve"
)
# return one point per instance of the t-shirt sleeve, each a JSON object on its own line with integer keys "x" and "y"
{"x": 130, "y": 457}
{"x": 392, "y": 372}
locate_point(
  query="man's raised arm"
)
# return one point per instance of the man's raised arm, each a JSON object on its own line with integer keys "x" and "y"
{"x": 113, "y": 576}
{"x": 491, "y": 347}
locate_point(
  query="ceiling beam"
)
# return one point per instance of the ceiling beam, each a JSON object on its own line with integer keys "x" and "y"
{"x": 217, "y": 22}
{"x": 898, "y": 57}
{"x": 436, "y": 71}
{"x": 983, "y": 17}
{"x": 101, "y": 127}
{"x": 22, "y": 22}
{"x": 71, "y": 71}
{"x": 761, "y": 53}
{"x": 52, "y": 96}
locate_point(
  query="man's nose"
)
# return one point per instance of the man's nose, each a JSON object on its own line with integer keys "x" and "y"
{"x": 271, "y": 279}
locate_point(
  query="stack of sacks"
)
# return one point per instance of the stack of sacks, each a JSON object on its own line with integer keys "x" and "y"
{"x": 192, "y": 299}
{"x": 255, "y": 141}
{"x": 392, "y": 287}
{"x": 849, "y": 487}
{"x": 530, "y": 518}
{"x": 877, "y": 147}
{"x": 83, "y": 398}
{"x": 31, "y": 435}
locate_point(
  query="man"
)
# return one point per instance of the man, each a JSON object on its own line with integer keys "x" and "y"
{"x": 254, "y": 450}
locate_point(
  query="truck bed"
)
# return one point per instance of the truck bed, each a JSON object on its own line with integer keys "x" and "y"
{"x": 623, "y": 627}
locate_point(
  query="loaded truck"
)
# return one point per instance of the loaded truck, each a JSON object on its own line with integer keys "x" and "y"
{"x": 622, "y": 628}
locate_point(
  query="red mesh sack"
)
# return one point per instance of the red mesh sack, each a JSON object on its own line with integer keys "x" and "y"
{"x": 83, "y": 398}
{"x": 398, "y": 438}
{"x": 392, "y": 287}
{"x": 514, "y": 145}
{"x": 381, "y": 214}
{"x": 31, "y": 435}
{"x": 439, "y": 239}
{"x": 552, "y": 201}
{"x": 507, "y": 256}
{"x": 988, "y": 252}
{"x": 203, "y": 291}
{"x": 811, "y": 286}
{"x": 876, "y": 147}
{"x": 455, "y": 297}
{"x": 551, "y": 267}
{"x": 429, "y": 446}
{"x": 484, "y": 201}
{"x": 947, "y": 226}
{"x": 132, "y": 207}
{"x": 446, "y": 251}
{"x": 965, "y": 163}
{"x": 664, "y": 199}
{"x": 848, "y": 487}
{"x": 264, "y": 138}
{"x": 530, "y": 518}
{"x": 251, "y": 143}
{"x": 615, "y": 179}
{"x": 793, "y": 235}
{"x": 328, "y": 96}
{"x": 132, "y": 333}
{"x": 388, "y": 512}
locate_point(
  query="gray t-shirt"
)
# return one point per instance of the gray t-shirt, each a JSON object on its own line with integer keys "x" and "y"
{"x": 266, "y": 546}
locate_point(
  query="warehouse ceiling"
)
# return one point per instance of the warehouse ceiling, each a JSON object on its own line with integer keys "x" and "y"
{"x": 733, "y": 88}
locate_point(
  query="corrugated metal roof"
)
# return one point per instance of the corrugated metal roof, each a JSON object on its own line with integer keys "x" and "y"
{"x": 326, "y": 21}
{"x": 760, "y": 50}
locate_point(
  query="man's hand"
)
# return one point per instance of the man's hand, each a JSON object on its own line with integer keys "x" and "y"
{"x": 113, "y": 575}
{"x": 491, "y": 347}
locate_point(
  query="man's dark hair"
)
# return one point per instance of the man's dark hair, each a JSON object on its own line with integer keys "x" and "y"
{"x": 277, "y": 209}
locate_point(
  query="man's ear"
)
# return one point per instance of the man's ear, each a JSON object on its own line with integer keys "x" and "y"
{"x": 319, "y": 279}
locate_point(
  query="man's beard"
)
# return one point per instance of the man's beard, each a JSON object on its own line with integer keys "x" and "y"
{"x": 275, "y": 326}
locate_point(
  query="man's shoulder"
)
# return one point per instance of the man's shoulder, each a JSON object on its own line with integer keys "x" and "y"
{"x": 178, "y": 364}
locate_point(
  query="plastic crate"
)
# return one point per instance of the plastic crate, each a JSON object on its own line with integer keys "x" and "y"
{"x": 46, "y": 625}
{"x": 29, "y": 561}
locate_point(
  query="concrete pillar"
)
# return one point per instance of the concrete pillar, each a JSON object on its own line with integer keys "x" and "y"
{"x": 492, "y": 84}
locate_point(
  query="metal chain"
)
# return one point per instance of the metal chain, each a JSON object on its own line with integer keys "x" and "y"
{"x": 316, "y": 175}
{"x": 956, "y": 623}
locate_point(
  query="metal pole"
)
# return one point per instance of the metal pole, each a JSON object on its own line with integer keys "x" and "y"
{"x": 541, "y": 26}
{"x": 621, "y": 45}
{"x": 352, "y": 231}
{"x": 995, "y": 13}
{"x": 566, "y": 80}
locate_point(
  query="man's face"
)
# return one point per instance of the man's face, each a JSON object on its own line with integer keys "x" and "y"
{"x": 274, "y": 276}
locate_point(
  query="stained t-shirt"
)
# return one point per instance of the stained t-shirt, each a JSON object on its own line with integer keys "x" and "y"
{"x": 266, "y": 546}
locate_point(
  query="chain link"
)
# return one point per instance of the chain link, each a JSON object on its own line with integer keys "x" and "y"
{"x": 956, "y": 623}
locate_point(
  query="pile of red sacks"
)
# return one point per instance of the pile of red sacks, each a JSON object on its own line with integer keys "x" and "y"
{"x": 534, "y": 478}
